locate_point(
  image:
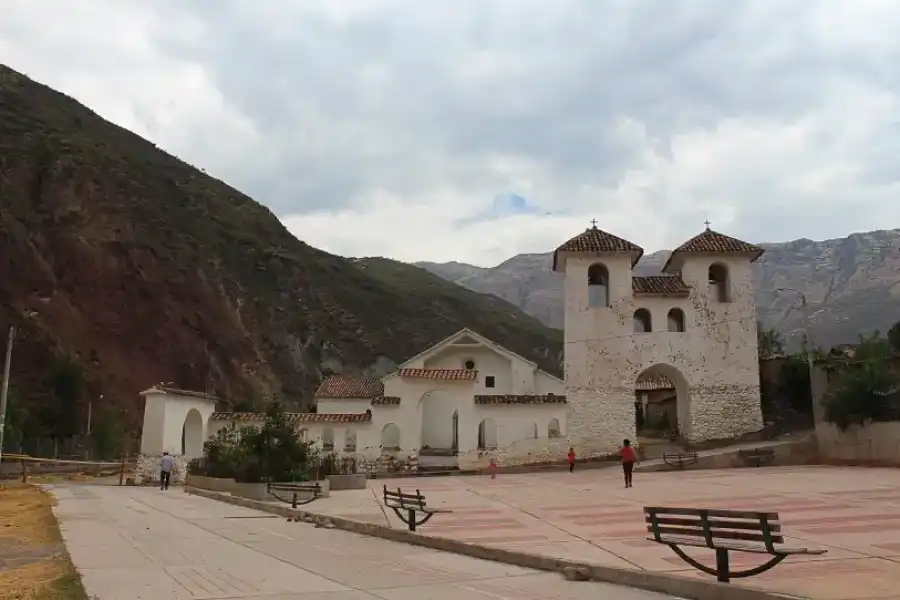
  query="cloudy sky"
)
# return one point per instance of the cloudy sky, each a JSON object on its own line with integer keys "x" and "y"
{"x": 475, "y": 130}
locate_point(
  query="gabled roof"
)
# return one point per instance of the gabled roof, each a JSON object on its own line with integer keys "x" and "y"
{"x": 164, "y": 389}
{"x": 350, "y": 386}
{"x": 595, "y": 240}
{"x": 659, "y": 285}
{"x": 466, "y": 332}
{"x": 713, "y": 242}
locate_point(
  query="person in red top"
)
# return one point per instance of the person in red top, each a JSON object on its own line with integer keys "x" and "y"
{"x": 629, "y": 457}
{"x": 571, "y": 459}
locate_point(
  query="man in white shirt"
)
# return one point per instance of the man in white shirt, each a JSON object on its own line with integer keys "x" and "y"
{"x": 166, "y": 464}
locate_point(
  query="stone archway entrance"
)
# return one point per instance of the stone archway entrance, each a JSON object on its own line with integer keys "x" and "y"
{"x": 662, "y": 403}
{"x": 192, "y": 435}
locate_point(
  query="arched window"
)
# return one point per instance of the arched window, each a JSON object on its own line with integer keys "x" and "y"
{"x": 350, "y": 441}
{"x": 390, "y": 437}
{"x": 676, "y": 319}
{"x": 642, "y": 321}
{"x": 327, "y": 440}
{"x": 598, "y": 286}
{"x": 718, "y": 283}
{"x": 553, "y": 430}
{"x": 533, "y": 434}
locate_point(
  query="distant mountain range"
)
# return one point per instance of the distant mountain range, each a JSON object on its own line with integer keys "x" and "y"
{"x": 852, "y": 284}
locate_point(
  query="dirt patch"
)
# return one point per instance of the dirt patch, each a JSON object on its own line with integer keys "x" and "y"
{"x": 34, "y": 564}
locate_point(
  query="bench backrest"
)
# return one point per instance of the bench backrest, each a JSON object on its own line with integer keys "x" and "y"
{"x": 711, "y": 525}
{"x": 757, "y": 452}
{"x": 403, "y": 499}
{"x": 300, "y": 486}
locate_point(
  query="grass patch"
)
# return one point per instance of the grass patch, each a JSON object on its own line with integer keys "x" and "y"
{"x": 34, "y": 564}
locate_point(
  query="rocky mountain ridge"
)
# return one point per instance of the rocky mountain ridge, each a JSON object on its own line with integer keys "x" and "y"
{"x": 852, "y": 284}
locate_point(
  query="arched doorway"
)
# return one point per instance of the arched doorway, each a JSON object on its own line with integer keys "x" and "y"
{"x": 192, "y": 435}
{"x": 487, "y": 434}
{"x": 439, "y": 422}
{"x": 662, "y": 403}
{"x": 390, "y": 437}
{"x": 455, "y": 430}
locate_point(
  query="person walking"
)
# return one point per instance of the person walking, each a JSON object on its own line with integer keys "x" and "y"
{"x": 492, "y": 467}
{"x": 571, "y": 459}
{"x": 629, "y": 457}
{"x": 165, "y": 470}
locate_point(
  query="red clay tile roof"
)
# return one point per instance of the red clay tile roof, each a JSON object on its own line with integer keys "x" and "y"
{"x": 442, "y": 374}
{"x": 597, "y": 240}
{"x": 244, "y": 417}
{"x": 386, "y": 400}
{"x": 666, "y": 285}
{"x": 713, "y": 242}
{"x": 350, "y": 386}
{"x": 653, "y": 382}
{"x": 521, "y": 399}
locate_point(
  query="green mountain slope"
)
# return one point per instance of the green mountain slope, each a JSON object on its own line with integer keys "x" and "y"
{"x": 138, "y": 268}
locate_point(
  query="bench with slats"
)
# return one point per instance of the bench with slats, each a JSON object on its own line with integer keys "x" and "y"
{"x": 307, "y": 490}
{"x": 401, "y": 501}
{"x": 756, "y": 456}
{"x": 723, "y": 531}
{"x": 679, "y": 460}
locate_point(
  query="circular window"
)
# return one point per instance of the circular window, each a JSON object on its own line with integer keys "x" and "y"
{"x": 470, "y": 364}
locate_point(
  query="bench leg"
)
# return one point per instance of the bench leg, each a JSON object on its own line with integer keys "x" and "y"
{"x": 294, "y": 500}
{"x": 412, "y": 520}
{"x": 722, "y": 567}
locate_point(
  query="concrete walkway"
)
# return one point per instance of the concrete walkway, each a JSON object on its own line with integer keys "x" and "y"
{"x": 854, "y": 513}
{"x": 139, "y": 543}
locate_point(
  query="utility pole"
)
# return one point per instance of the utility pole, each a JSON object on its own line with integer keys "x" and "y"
{"x": 4, "y": 387}
{"x": 810, "y": 361}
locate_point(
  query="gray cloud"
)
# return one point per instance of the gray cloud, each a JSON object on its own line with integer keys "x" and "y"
{"x": 773, "y": 119}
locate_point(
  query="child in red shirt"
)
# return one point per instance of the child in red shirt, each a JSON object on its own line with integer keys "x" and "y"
{"x": 629, "y": 457}
{"x": 492, "y": 468}
{"x": 571, "y": 459}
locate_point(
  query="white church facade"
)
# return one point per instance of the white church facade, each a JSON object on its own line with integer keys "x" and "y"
{"x": 457, "y": 404}
{"x": 686, "y": 337}
{"x": 694, "y": 326}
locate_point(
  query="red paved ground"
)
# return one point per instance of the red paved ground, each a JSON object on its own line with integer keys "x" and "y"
{"x": 854, "y": 513}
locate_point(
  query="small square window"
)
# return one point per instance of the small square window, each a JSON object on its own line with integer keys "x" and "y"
{"x": 489, "y": 381}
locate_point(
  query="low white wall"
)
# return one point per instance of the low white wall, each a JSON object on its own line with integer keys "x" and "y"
{"x": 876, "y": 444}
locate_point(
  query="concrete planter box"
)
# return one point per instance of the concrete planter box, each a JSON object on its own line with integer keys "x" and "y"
{"x": 347, "y": 482}
{"x": 251, "y": 491}
{"x": 214, "y": 484}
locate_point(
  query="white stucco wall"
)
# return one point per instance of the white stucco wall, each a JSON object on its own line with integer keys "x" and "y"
{"x": 516, "y": 442}
{"x": 164, "y": 420}
{"x": 716, "y": 356}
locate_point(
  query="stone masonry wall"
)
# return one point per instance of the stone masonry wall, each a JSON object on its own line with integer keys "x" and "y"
{"x": 721, "y": 412}
{"x": 147, "y": 469}
{"x": 599, "y": 420}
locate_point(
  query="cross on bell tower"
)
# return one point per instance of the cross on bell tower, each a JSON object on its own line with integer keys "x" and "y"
{"x": 706, "y": 222}
{"x": 594, "y": 223}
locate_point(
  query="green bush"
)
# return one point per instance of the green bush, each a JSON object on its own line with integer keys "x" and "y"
{"x": 867, "y": 387}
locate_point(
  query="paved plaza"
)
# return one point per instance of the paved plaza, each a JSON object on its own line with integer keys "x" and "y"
{"x": 854, "y": 513}
{"x": 143, "y": 544}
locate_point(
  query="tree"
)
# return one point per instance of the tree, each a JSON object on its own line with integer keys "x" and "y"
{"x": 894, "y": 337}
{"x": 769, "y": 341}
{"x": 867, "y": 388}
{"x": 107, "y": 434}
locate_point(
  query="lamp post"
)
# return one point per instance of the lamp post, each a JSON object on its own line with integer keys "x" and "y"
{"x": 810, "y": 362}
{"x": 4, "y": 387}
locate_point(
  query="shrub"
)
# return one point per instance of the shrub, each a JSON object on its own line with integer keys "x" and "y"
{"x": 866, "y": 389}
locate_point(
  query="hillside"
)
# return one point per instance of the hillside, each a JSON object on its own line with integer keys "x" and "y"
{"x": 852, "y": 284}
{"x": 138, "y": 268}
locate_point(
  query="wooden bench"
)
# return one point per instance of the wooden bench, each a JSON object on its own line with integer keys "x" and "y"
{"x": 311, "y": 490}
{"x": 679, "y": 460}
{"x": 400, "y": 501}
{"x": 756, "y": 456}
{"x": 723, "y": 531}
